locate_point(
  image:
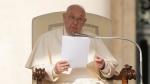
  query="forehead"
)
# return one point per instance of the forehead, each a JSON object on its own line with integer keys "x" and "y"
{"x": 75, "y": 10}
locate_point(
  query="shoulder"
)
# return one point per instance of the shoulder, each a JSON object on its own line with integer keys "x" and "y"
{"x": 52, "y": 33}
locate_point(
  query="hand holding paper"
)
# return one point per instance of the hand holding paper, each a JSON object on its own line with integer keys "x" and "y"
{"x": 75, "y": 51}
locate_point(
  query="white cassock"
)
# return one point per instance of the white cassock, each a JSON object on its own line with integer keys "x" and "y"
{"x": 47, "y": 52}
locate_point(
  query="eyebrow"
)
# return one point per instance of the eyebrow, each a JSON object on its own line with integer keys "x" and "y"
{"x": 74, "y": 13}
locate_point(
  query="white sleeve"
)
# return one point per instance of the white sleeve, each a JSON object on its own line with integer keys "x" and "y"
{"x": 109, "y": 70}
{"x": 51, "y": 73}
{"x": 110, "y": 61}
{"x": 40, "y": 54}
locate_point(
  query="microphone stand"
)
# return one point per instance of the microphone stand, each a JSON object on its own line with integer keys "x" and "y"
{"x": 85, "y": 35}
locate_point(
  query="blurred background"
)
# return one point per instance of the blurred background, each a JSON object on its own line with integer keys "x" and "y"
{"x": 130, "y": 19}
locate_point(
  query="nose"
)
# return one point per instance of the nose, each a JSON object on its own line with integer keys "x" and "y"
{"x": 75, "y": 21}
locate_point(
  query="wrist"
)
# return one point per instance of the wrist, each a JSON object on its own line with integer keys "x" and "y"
{"x": 55, "y": 70}
{"x": 103, "y": 66}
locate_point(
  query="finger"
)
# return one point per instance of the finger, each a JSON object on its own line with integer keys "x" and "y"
{"x": 62, "y": 66}
{"x": 65, "y": 64}
{"x": 62, "y": 69}
{"x": 62, "y": 61}
{"x": 98, "y": 57}
{"x": 98, "y": 60}
{"x": 65, "y": 68}
{"x": 59, "y": 65}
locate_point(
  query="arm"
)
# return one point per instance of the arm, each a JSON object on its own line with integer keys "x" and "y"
{"x": 41, "y": 58}
{"x": 105, "y": 67}
{"x": 105, "y": 61}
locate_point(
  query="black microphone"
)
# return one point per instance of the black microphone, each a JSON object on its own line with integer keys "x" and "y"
{"x": 98, "y": 37}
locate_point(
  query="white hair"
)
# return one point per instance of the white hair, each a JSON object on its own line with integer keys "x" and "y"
{"x": 76, "y": 5}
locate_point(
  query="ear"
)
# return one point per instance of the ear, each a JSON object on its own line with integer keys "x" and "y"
{"x": 85, "y": 20}
{"x": 64, "y": 16}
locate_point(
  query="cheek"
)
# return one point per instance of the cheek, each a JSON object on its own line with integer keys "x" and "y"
{"x": 68, "y": 24}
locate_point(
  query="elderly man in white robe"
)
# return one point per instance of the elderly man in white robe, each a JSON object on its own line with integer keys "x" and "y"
{"x": 47, "y": 54}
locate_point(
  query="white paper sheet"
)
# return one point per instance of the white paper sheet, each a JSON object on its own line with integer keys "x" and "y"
{"x": 75, "y": 51}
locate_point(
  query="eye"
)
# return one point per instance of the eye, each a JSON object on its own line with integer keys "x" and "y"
{"x": 80, "y": 19}
{"x": 72, "y": 17}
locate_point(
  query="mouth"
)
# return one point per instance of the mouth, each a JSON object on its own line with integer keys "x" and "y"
{"x": 74, "y": 28}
